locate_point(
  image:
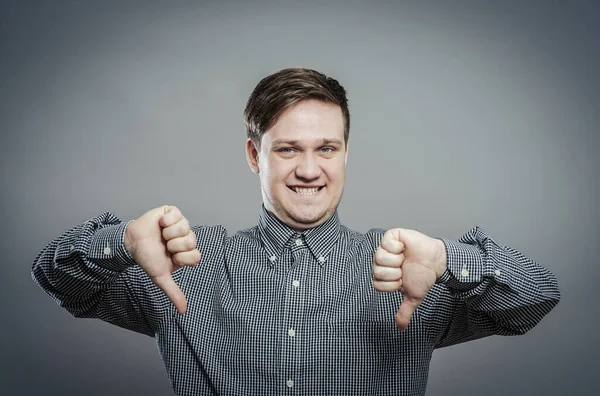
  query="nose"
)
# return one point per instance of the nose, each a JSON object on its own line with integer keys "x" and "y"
{"x": 308, "y": 168}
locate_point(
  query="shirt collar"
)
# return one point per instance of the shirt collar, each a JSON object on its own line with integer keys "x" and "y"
{"x": 275, "y": 234}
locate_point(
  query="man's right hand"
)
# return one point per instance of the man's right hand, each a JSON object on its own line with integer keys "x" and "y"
{"x": 161, "y": 241}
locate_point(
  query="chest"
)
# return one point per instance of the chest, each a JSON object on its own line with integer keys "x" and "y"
{"x": 314, "y": 327}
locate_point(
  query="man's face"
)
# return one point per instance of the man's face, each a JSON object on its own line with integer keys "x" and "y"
{"x": 302, "y": 164}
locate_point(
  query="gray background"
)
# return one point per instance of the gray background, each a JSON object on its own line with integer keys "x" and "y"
{"x": 464, "y": 113}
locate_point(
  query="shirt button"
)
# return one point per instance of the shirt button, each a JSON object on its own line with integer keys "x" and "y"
{"x": 290, "y": 383}
{"x": 298, "y": 242}
{"x": 296, "y": 283}
{"x": 71, "y": 247}
{"x": 291, "y": 332}
{"x": 497, "y": 272}
{"x": 321, "y": 259}
{"x": 273, "y": 258}
{"x": 107, "y": 250}
{"x": 464, "y": 272}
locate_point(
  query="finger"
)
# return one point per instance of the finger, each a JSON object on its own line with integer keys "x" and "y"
{"x": 391, "y": 241}
{"x": 190, "y": 258}
{"x": 386, "y": 273}
{"x": 177, "y": 230}
{"x": 386, "y": 259}
{"x": 172, "y": 291}
{"x": 182, "y": 244}
{"x": 387, "y": 286}
{"x": 172, "y": 215}
{"x": 405, "y": 312}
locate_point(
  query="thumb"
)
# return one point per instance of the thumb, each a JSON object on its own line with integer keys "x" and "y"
{"x": 172, "y": 291}
{"x": 406, "y": 311}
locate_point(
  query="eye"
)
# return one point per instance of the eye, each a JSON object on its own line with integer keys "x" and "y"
{"x": 327, "y": 150}
{"x": 285, "y": 150}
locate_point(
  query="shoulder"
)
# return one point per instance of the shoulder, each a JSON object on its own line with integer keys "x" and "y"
{"x": 218, "y": 235}
{"x": 206, "y": 233}
{"x": 370, "y": 238}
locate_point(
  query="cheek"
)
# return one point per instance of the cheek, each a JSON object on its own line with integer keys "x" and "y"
{"x": 337, "y": 174}
{"x": 279, "y": 172}
{"x": 273, "y": 178}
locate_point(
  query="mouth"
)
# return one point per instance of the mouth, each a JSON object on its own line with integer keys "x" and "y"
{"x": 306, "y": 191}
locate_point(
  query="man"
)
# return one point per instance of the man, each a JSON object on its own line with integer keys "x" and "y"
{"x": 298, "y": 304}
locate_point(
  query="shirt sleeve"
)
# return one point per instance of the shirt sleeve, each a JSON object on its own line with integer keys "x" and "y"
{"x": 88, "y": 271}
{"x": 488, "y": 289}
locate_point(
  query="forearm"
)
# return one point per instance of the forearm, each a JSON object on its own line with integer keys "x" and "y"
{"x": 83, "y": 260}
{"x": 496, "y": 289}
{"x": 85, "y": 271}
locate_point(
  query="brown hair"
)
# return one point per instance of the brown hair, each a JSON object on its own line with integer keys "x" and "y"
{"x": 277, "y": 92}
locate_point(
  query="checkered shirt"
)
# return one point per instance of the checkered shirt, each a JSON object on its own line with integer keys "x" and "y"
{"x": 275, "y": 312}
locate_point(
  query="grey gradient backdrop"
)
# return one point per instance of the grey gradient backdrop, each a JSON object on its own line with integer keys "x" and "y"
{"x": 464, "y": 113}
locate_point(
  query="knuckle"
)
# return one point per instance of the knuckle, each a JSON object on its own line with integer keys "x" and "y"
{"x": 170, "y": 213}
{"x": 182, "y": 259}
{"x": 169, "y": 232}
{"x": 172, "y": 246}
{"x": 377, "y": 286}
{"x": 191, "y": 242}
{"x": 384, "y": 239}
{"x": 183, "y": 228}
{"x": 385, "y": 242}
{"x": 174, "y": 215}
{"x": 376, "y": 272}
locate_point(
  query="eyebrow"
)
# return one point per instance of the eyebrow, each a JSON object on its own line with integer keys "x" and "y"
{"x": 279, "y": 142}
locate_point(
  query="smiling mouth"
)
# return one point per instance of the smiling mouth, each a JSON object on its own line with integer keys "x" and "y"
{"x": 305, "y": 191}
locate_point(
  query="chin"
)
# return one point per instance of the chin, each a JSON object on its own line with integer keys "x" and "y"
{"x": 307, "y": 218}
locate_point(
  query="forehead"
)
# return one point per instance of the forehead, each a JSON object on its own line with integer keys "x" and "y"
{"x": 307, "y": 121}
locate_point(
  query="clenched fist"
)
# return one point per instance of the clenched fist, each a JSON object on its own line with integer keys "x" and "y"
{"x": 160, "y": 242}
{"x": 411, "y": 262}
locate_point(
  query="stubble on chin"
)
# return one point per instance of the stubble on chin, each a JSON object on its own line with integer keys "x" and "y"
{"x": 316, "y": 220}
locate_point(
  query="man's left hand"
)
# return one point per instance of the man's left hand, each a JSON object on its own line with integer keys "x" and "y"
{"x": 411, "y": 262}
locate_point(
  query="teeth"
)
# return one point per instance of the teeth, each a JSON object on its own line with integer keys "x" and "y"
{"x": 306, "y": 191}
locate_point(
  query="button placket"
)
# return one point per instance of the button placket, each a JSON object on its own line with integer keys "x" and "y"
{"x": 291, "y": 349}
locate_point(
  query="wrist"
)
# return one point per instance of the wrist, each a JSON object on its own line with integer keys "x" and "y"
{"x": 441, "y": 260}
{"x": 127, "y": 240}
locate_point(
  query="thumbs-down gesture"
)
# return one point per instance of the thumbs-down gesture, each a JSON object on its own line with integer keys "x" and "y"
{"x": 410, "y": 262}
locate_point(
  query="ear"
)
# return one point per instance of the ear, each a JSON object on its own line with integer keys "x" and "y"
{"x": 346, "y": 156}
{"x": 252, "y": 156}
